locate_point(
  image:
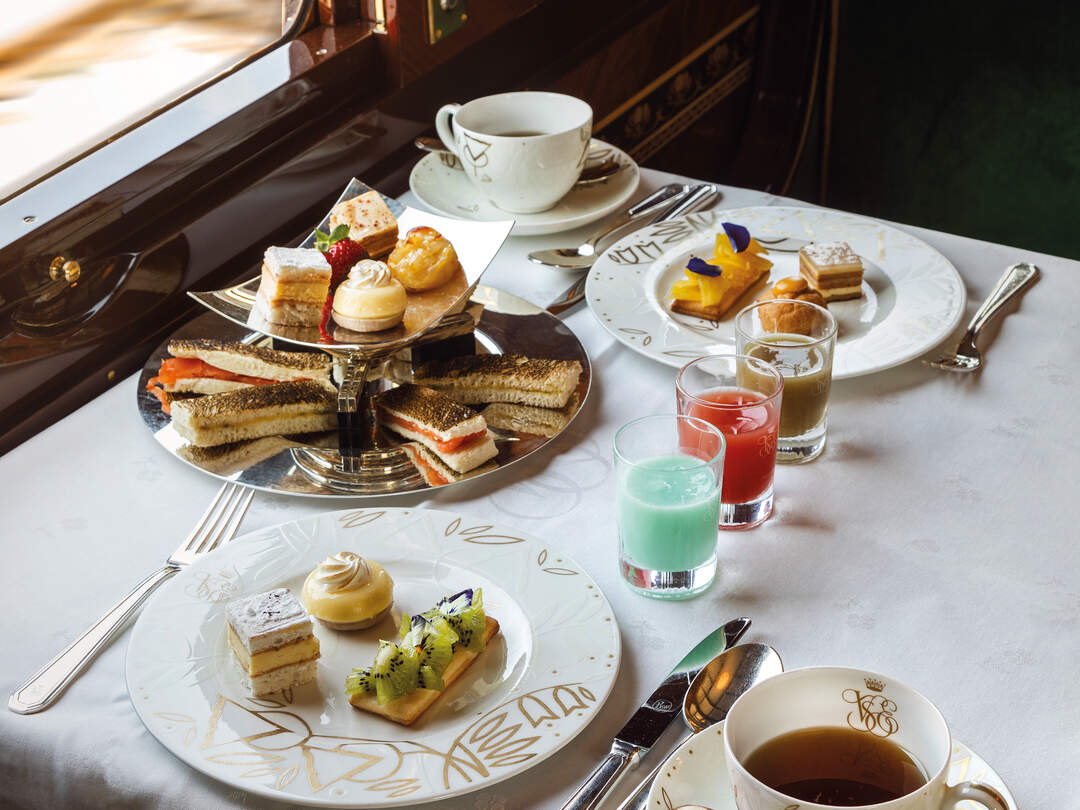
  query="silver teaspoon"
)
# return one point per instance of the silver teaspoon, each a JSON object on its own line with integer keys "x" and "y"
{"x": 711, "y": 695}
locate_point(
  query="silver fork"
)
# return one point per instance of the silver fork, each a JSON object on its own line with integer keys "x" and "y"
{"x": 218, "y": 526}
{"x": 966, "y": 356}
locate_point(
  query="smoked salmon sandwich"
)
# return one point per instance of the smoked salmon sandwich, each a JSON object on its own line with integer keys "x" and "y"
{"x": 454, "y": 433}
{"x": 214, "y": 367}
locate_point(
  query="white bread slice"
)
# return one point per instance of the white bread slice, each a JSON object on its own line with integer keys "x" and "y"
{"x": 260, "y": 410}
{"x": 509, "y": 378}
{"x": 203, "y": 385}
{"x": 432, "y": 410}
{"x": 529, "y": 419}
{"x": 370, "y": 222}
{"x": 434, "y": 472}
{"x": 407, "y": 709}
{"x": 254, "y": 361}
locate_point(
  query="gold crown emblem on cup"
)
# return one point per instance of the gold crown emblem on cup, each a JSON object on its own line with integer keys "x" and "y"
{"x": 873, "y": 684}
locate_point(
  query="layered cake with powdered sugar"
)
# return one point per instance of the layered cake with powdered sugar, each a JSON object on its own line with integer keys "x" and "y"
{"x": 833, "y": 269}
{"x": 271, "y": 635}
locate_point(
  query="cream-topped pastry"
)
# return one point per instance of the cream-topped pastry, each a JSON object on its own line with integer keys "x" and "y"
{"x": 370, "y": 299}
{"x": 347, "y": 592}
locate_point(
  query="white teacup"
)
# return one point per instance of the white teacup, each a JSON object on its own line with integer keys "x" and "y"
{"x": 523, "y": 150}
{"x": 850, "y": 699}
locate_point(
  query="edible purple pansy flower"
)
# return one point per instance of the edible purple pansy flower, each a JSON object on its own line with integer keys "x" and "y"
{"x": 702, "y": 267}
{"x": 738, "y": 235}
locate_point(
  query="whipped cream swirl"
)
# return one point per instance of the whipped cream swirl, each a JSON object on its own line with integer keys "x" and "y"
{"x": 344, "y": 571}
{"x": 368, "y": 273}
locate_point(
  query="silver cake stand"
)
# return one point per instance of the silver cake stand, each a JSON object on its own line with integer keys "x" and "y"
{"x": 360, "y": 460}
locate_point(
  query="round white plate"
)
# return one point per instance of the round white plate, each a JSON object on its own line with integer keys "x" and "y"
{"x": 446, "y": 190}
{"x": 535, "y": 687}
{"x": 695, "y": 774}
{"x": 913, "y": 298}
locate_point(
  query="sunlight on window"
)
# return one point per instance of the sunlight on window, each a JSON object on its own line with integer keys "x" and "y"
{"x": 75, "y": 72}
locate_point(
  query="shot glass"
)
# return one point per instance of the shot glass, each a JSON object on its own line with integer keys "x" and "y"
{"x": 799, "y": 339}
{"x": 669, "y": 470}
{"x": 741, "y": 396}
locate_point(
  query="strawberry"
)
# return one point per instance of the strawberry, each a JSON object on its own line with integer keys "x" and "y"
{"x": 340, "y": 251}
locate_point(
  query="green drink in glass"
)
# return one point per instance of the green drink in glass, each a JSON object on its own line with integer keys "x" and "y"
{"x": 667, "y": 504}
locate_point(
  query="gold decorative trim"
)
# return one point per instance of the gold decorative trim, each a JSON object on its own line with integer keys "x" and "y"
{"x": 501, "y": 738}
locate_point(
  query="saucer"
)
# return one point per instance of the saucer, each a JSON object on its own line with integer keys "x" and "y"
{"x": 691, "y": 775}
{"x": 446, "y": 190}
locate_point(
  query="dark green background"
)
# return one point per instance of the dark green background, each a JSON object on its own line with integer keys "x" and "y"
{"x": 960, "y": 116}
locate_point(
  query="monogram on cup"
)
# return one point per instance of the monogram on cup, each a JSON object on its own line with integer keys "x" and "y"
{"x": 874, "y": 712}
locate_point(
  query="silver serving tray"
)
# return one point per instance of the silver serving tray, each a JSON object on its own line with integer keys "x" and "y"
{"x": 306, "y": 465}
{"x": 475, "y": 243}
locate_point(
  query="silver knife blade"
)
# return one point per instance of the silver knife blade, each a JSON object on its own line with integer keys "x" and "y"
{"x": 665, "y": 703}
{"x": 654, "y": 715}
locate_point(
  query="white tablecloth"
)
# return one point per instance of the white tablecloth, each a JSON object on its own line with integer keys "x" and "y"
{"x": 935, "y": 541}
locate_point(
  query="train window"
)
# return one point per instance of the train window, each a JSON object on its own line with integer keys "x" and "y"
{"x": 77, "y": 73}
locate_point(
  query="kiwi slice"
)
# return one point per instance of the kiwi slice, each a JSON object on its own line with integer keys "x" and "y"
{"x": 359, "y": 680}
{"x": 395, "y": 671}
{"x": 464, "y": 612}
{"x": 428, "y": 678}
{"x": 434, "y": 641}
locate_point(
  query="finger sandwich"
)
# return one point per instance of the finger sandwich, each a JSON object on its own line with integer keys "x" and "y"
{"x": 457, "y": 435}
{"x": 284, "y": 408}
{"x": 293, "y": 286}
{"x": 271, "y": 635}
{"x": 214, "y": 366}
{"x": 511, "y": 378}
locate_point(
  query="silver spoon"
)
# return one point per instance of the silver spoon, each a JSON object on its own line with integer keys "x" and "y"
{"x": 711, "y": 695}
{"x": 595, "y": 170}
{"x": 583, "y": 256}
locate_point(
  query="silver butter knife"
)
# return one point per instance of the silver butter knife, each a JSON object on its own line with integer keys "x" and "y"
{"x": 653, "y": 717}
{"x": 697, "y": 197}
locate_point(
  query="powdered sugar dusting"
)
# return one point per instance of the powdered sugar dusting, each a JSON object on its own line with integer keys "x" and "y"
{"x": 831, "y": 253}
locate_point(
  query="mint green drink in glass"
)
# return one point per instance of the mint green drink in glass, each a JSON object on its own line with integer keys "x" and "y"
{"x": 669, "y": 472}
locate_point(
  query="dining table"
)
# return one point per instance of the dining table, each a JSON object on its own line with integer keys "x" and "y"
{"x": 937, "y": 540}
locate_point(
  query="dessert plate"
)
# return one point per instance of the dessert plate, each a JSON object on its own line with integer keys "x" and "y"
{"x": 695, "y": 774}
{"x": 913, "y": 297}
{"x": 446, "y": 189}
{"x": 536, "y": 686}
{"x": 507, "y": 324}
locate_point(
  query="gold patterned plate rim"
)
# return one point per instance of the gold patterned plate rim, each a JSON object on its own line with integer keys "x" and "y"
{"x": 681, "y": 781}
{"x": 913, "y": 297}
{"x": 539, "y": 683}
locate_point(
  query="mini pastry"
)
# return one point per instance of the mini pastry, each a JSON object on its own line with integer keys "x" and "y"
{"x": 370, "y": 222}
{"x": 711, "y": 288}
{"x": 833, "y": 269}
{"x": 293, "y": 286}
{"x": 787, "y": 317}
{"x": 370, "y": 299}
{"x": 436, "y": 648}
{"x": 502, "y": 378}
{"x": 423, "y": 260}
{"x": 347, "y": 592}
{"x": 270, "y": 633}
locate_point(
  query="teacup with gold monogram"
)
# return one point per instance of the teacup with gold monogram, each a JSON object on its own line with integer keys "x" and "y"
{"x": 838, "y": 737}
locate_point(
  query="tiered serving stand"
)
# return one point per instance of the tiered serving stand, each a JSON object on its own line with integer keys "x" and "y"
{"x": 361, "y": 459}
